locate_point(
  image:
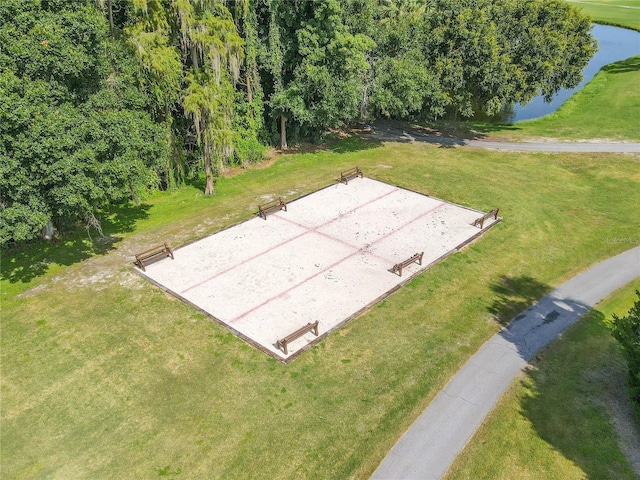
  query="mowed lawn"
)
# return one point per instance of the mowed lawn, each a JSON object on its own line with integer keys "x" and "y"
{"x": 624, "y": 13}
{"x": 106, "y": 376}
{"x": 606, "y": 109}
{"x": 557, "y": 421}
{"x": 612, "y": 97}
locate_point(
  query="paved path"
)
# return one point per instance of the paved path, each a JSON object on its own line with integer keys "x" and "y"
{"x": 430, "y": 445}
{"x": 395, "y": 131}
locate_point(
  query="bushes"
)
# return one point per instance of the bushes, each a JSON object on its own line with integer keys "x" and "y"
{"x": 627, "y": 331}
{"x": 248, "y": 150}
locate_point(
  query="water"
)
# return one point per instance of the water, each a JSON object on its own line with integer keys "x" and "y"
{"x": 614, "y": 44}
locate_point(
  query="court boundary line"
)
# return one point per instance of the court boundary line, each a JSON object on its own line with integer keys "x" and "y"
{"x": 385, "y": 295}
{"x": 331, "y": 237}
{"x": 278, "y": 245}
{"x": 292, "y": 356}
{"x": 285, "y": 292}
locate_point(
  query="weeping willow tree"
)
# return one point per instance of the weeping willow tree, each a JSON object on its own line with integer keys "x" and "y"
{"x": 207, "y": 102}
{"x": 191, "y": 53}
{"x": 162, "y": 74}
{"x": 210, "y": 37}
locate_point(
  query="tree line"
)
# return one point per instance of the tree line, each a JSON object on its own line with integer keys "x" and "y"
{"x": 102, "y": 100}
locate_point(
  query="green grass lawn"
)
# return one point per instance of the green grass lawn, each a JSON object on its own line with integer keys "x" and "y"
{"x": 613, "y": 95}
{"x": 556, "y": 421}
{"x": 607, "y": 108}
{"x": 106, "y": 376}
{"x": 622, "y": 13}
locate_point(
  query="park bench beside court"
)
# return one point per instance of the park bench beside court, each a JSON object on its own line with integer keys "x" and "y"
{"x": 264, "y": 210}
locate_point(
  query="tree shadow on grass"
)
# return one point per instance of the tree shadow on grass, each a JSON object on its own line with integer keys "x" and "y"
{"x": 569, "y": 390}
{"x": 199, "y": 182}
{"x": 25, "y": 262}
{"x": 353, "y": 138}
{"x": 567, "y": 387}
{"x": 478, "y": 129}
{"x": 444, "y": 134}
{"x": 123, "y": 218}
{"x": 474, "y": 129}
{"x": 355, "y": 143}
{"x": 514, "y": 295}
{"x": 624, "y": 66}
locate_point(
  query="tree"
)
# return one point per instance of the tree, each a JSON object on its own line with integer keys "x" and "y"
{"x": 103, "y": 99}
{"x": 248, "y": 107}
{"x": 316, "y": 64}
{"x": 216, "y": 52}
{"x": 491, "y": 55}
{"x": 270, "y": 57}
{"x": 208, "y": 103}
{"x": 437, "y": 57}
{"x": 627, "y": 331}
{"x": 74, "y": 132}
{"x": 193, "y": 53}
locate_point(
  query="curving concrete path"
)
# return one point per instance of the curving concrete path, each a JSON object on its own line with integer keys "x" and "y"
{"x": 429, "y": 446}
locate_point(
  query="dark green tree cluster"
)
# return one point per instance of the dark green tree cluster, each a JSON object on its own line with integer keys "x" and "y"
{"x": 627, "y": 331}
{"x": 75, "y": 132}
{"x": 461, "y": 57}
{"x": 101, "y": 100}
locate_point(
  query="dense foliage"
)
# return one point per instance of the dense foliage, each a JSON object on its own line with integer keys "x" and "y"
{"x": 627, "y": 331}
{"x": 101, "y": 100}
{"x": 74, "y": 128}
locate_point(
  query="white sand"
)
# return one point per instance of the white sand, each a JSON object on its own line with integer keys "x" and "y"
{"x": 324, "y": 259}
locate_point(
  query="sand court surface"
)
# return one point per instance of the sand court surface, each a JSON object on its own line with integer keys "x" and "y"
{"x": 327, "y": 259}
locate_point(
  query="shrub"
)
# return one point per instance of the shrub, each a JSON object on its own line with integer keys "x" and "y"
{"x": 627, "y": 331}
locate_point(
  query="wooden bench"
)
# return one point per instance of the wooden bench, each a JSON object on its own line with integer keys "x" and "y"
{"x": 479, "y": 222}
{"x": 271, "y": 207}
{"x": 397, "y": 268}
{"x": 283, "y": 342}
{"x": 350, "y": 175}
{"x": 153, "y": 254}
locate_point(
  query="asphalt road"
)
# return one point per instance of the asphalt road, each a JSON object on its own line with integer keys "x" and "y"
{"x": 395, "y": 131}
{"x": 430, "y": 445}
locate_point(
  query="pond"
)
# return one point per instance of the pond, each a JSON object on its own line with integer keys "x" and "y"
{"x": 614, "y": 44}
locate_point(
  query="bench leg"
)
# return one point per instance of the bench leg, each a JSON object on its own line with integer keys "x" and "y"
{"x": 282, "y": 345}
